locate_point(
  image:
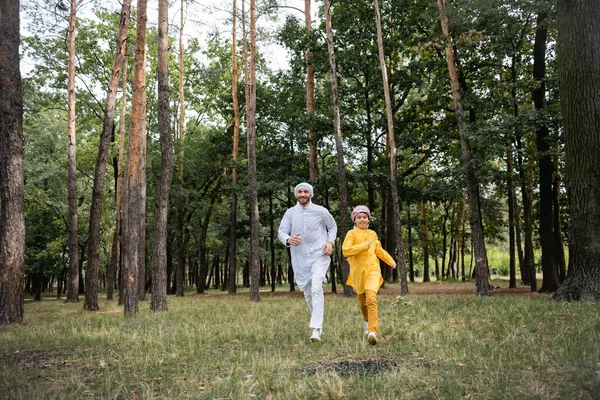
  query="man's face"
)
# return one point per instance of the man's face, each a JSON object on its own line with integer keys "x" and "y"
{"x": 303, "y": 196}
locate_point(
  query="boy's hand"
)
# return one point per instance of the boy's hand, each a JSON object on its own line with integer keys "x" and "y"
{"x": 328, "y": 248}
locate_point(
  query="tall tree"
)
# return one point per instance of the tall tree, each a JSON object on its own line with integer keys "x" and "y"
{"x": 393, "y": 158}
{"x": 579, "y": 52}
{"x": 313, "y": 161}
{"x": 73, "y": 285}
{"x": 12, "y": 219}
{"x": 482, "y": 283}
{"x": 251, "y": 134}
{"x": 117, "y": 239}
{"x": 159, "y": 250}
{"x": 134, "y": 209}
{"x": 234, "y": 154}
{"x": 546, "y": 167}
{"x": 91, "y": 278}
{"x": 337, "y": 130}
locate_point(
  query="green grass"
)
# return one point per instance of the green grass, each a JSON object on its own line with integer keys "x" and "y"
{"x": 446, "y": 344}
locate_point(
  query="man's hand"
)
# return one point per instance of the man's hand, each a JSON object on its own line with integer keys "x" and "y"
{"x": 294, "y": 240}
{"x": 328, "y": 248}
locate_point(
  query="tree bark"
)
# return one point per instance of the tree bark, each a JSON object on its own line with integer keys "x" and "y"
{"x": 73, "y": 288}
{"x": 425, "y": 235}
{"x": 116, "y": 247}
{"x": 546, "y": 168}
{"x": 158, "y": 300}
{"x": 251, "y": 134}
{"x": 313, "y": 162}
{"x": 393, "y": 158}
{"x": 342, "y": 179}
{"x": 558, "y": 236}
{"x": 579, "y": 72}
{"x": 91, "y": 277}
{"x": 234, "y": 156}
{"x": 482, "y": 282}
{"x": 135, "y": 188}
{"x": 511, "y": 221}
{"x": 12, "y": 217}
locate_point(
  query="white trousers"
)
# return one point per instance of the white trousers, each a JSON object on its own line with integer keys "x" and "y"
{"x": 315, "y": 297}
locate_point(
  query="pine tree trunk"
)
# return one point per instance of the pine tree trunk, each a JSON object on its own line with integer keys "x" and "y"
{"x": 342, "y": 179}
{"x": 135, "y": 198}
{"x": 313, "y": 162}
{"x": 116, "y": 247}
{"x": 158, "y": 300}
{"x": 12, "y": 218}
{"x": 73, "y": 288}
{"x": 393, "y": 159}
{"x": 425, "y": 235}
{"x": 91, "y": 278}
{"x": 482, "y": 283}
{"x": 234, "y": 156}
{"x": 511, "y": 221}
{"x": 251, "y": 134}
{"x": 579, "y": 47}
{"x": 546, "y": 167}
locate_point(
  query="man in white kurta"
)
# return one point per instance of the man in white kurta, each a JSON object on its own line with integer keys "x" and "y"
{"x": 309, "y": 230}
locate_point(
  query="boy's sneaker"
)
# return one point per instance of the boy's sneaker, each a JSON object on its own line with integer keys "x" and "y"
{"x": 366, "y": 328}
{"x": 316, "y": 335}
{"x": 372, "y": 338}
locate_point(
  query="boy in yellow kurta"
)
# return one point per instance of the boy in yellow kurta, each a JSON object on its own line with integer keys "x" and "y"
{"x": 363, "y": 250}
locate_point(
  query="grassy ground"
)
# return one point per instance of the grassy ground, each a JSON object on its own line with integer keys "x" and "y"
{"x": 439, "y": 342}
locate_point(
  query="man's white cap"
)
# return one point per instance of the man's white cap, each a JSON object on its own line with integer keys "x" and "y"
{"x": 303, "y": 185}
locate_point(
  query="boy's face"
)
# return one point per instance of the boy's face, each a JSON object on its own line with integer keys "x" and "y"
{"x": 362, "y": 221}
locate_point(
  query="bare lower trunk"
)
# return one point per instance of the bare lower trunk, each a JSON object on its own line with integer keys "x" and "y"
{"x": 342, "y": 180}
{"x": 12, "y": 219}
{"x": 73, "y": 287}
{"x": 511, "y": 221}
{"x": 578, "y": 46}
{"x": 159, "y": 250}
{"x": 234, "y": 156}
{"x": 135, "y": 210}
{"x": 482, "y": 283}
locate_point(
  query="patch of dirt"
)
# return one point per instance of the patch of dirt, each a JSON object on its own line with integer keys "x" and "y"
{"x": 363, "y": 367}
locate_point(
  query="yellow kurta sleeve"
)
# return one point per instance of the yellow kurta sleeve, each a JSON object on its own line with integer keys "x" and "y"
{"x": 384, "y": 255}
{"x": 352, "y": 246}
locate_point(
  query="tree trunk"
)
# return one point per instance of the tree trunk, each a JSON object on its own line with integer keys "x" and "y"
{"x": 159, "y": 250}
{"x": 579, "y": 47}
{"x": 511, "y": 221}
{"x": 73, "y": 289}
{"x": 411, "y": 264}
{"x": 251, "y": 134}
{"x": 342, "y": 179}
{"x": 313, "y": 162}
{"x": 91, "y": 277}
{"x": 12, "y": 217}
{"x": 425, "y": 235}
{"x": 558, "y": 237}
{"x": 393, "y": 158}
{"x": 482, "y": 283}
{"x": 546, "y": 167}
{"x": 234, "y": 156}
{"x": 116, "y": 249}
{"x": 134, "y": 210}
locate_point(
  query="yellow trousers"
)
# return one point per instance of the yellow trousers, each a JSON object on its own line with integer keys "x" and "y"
{"x": 367, "y": 302}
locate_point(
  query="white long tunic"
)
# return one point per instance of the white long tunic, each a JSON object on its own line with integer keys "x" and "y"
{"x": 317, "y": 227}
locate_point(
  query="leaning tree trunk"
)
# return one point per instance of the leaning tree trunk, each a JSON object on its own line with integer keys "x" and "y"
{"x": 393, "y": 158}
{"x": 73, "y": 287}
{"x": 91, "y": 278}
{"x": 579, "y": 49}
{"x": 12, "y": 217}
{"x": 313, "y": 162}
{"x": 251, "y": 133}
{"x": 234, "y": 155}
{"x": 116, "y": 246}
{"x": 482, "y": 283}
{"x": 546, "y": 168}
{"x": 135, "y": 188}
{"x": 158, "y": 300}
{"x": 342, "y": 179}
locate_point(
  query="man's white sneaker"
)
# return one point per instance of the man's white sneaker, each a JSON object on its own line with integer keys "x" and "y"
{"x": 366, "y": 328}
{"x": 372, "y": 338}
{"x": 316, "y": 335}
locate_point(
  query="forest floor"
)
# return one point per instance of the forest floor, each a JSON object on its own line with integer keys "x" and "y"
{"x": 441, "y": 341}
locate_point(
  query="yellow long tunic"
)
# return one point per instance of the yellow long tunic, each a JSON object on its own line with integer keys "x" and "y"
{"x": 365, "y": 273}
